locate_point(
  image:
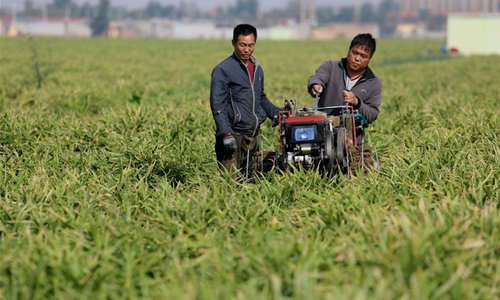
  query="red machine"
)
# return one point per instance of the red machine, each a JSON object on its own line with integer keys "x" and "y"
{"x": 311, "y": 139}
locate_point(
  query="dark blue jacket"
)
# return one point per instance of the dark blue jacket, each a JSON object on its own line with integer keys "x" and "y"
{"x": 237, "y": 105}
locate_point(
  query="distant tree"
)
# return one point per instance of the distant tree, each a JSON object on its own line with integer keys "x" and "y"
{"x": 386, "y": 19}
{"x": 85, "y": 11}
{"x": 325, "y": 15}
{"x": 169, "y": 12}
{"x": 61, "y": 4}
{"x": 368, "y": 14}
{"x": 153, "y": 9}
{"x": 187, "y": 10}
{"x": 136, "y": 14}
{"x": 62, "y": 8}
{"x": 29, "y": 5}
{"x": 346, "y": 14}
{"x": 30, "y": 10}
{"x": 292, "y": 10}
{"x": 100, "y": 23}
{"x": 246, "y": 9}
{"x": 437, "y": 22}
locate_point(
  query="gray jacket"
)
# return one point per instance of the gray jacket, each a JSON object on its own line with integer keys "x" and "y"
{"x": 238, "y": 106}
{"x": 368, "y": 89}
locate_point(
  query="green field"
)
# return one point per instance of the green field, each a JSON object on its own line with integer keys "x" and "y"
{"x": 109, "y": 187}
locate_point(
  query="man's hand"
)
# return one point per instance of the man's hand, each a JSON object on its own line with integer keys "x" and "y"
{"x": 275, "y": 121}
{"x": 350, "y": 98}
{"x": 229, "y": 142}
{"x": 315, "y": 90}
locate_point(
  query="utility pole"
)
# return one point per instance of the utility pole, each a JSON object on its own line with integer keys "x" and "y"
{"x": 13, "y": 30}
{"x": 302, "y": 11}
{"x": 67, "y": 16}
{"x": 312, "y": 12}
{"x": 307, "y": 12}
{"x": 357, "y": 12}
{"x": 44, "y": 12}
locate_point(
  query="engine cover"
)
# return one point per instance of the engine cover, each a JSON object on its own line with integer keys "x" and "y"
{"x": 312, "y": 140}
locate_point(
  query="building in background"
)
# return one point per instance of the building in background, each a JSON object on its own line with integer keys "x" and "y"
{"x": 307, "y": 12}
{"x": 473, "y": 34}
{"x": 451, "y": 6}
{"x": 343, "y": 30}
{"x": 301, "y": 19}
{"x": 52, "y": 26}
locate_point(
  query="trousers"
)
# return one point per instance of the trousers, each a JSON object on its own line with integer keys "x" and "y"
{"x": 234, "y": 161}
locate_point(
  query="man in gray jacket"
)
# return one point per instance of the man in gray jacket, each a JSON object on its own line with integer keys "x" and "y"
{"x": 349, "y": 80}
{"x": 238, "y": 102}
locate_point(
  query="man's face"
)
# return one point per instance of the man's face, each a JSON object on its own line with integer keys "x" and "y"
{"x": 244, "y": 46}
{"x": 358, "y": 58}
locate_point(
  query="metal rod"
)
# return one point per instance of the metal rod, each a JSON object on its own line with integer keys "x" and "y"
{"x": 262, "y": 156}
{"x": 377, "y": 160}
{"x": 248, "y": 162}
{"x": 363, "y": 151}
{"x": 330, "y": 107}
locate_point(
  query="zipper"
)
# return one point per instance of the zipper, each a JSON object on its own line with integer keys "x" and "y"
{"x": 253, "y": 95}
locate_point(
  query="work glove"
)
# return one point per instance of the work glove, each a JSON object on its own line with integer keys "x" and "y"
{"x": 229, "y": 142}
{"x": 275, "y": 121}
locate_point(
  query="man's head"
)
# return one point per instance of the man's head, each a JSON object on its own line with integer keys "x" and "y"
{"x": 244, "y": 38}
{"x": 360, "y": 53}
{"x": 366, "y": 41}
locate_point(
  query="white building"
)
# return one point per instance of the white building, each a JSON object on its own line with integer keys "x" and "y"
{"x": 474, "y": 34}
{"x": 451, "y": 6}
{"x": 47, "y": 27}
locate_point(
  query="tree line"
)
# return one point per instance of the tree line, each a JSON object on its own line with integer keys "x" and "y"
{"x": 384, "y": 14}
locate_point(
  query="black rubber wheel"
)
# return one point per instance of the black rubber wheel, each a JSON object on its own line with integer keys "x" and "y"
{"x": 329, "y": 151}
{"x": 341, "y": 154}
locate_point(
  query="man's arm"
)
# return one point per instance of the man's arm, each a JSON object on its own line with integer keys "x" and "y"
{"x": 318, "y": 81}
{"x": 370, "y": 107}
{"x": 219, "y": 89}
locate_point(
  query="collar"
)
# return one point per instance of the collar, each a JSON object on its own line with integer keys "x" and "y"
{"x": 252, "y": 59}
{"x": 368, "y": 74}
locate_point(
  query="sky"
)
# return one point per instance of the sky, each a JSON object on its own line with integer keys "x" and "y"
{"x": 264, "y": 5}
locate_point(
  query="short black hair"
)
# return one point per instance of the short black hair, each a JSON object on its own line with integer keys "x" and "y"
{"x": 366, "y": 40}
{"x": 244, "y": 29}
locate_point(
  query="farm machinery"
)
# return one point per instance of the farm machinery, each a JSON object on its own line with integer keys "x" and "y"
{"x": 312, "y": 139}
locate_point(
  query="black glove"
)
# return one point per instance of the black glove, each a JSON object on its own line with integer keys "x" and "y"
{"x": 229, "y": 142}
{"x": 275, "y": 121}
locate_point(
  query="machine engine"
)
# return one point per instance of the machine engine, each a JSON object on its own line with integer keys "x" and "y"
{"x": 311, "y": 139}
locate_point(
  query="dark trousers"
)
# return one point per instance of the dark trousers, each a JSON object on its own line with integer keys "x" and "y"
{"x": 237, "y": 160}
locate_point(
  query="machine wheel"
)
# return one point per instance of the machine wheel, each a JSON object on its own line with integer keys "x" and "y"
{"x": 341, "y": 153}
{"x": 329, "y": 151}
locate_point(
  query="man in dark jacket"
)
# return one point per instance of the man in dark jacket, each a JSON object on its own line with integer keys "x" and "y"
{"x": 238, "y": 102}
{"x": 349, "y": 80}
